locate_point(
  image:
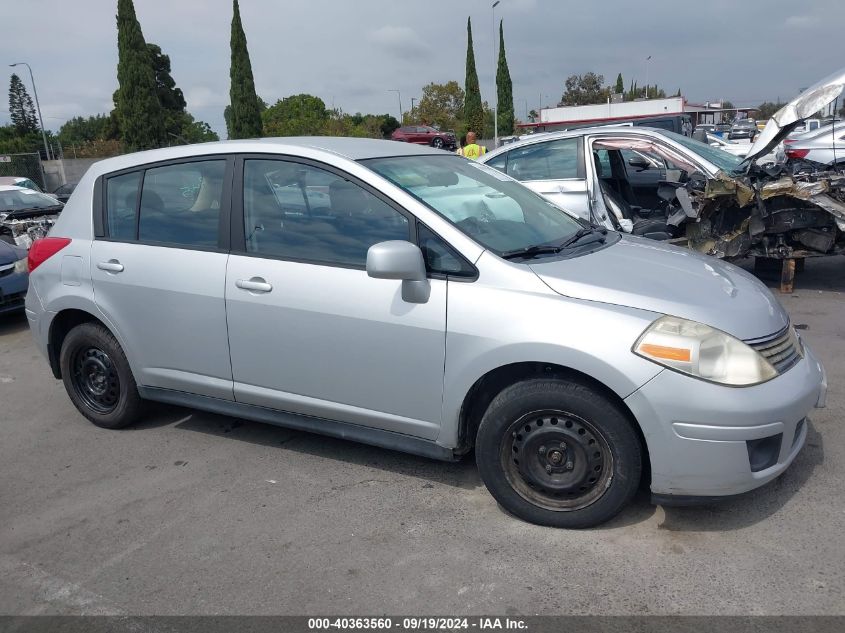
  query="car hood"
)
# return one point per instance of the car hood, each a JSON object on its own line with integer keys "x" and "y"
{"x": 649, "y": 275}
{"x": 9, "y": 253}
{"x": 793, "y": 113}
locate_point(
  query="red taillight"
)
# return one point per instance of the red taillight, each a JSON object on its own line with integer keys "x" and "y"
{"x": 797, "y": 153}
{"x": 43, "y": 249}
{"x": 787, "y": 141}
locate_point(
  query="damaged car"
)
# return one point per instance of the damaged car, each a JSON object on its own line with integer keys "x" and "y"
{"x": 26, "y": 215}
{"x": 662, "y": 185}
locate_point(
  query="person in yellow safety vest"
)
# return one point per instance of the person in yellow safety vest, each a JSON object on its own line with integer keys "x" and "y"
{"x": 472, "y": 150}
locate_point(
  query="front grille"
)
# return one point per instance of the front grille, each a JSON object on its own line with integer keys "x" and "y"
{"x": 779, "y": 349}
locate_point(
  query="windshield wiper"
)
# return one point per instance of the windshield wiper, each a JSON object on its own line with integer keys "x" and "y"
{"x": 552, "y": 249}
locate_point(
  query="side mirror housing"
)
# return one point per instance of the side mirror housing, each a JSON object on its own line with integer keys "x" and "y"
{"x": 639, "y": 162}
{"x": 398, "y": 259}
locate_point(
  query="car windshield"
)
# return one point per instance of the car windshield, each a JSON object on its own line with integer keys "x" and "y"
{"x": 722, "y": 159}
{"x": 19, "y": 200}
{"x": 490, "y": 207}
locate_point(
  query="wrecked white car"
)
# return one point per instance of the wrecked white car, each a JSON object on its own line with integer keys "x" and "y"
{"x": 26, "y": 215}
{"x": 662, "y": 185}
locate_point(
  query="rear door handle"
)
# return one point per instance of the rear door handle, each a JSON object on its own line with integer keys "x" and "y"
{"x": 111, "y": 266}
{"x": 255, "y": 284}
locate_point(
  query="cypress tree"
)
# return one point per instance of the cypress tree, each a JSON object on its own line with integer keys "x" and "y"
{"x": 136, "y": 104}
{"x": 473, "y": 112}
{"x": 504, "y": 89}
{"x": 620, "y": 85}
{"x": 171, "y": 98}
{"x": 21, "y": 110}
{"x": 244, "y": 119}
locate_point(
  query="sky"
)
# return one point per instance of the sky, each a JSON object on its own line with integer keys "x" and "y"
{"x": 352, "y": 54}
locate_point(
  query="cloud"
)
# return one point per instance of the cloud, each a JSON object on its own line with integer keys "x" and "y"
{"x": 401, "y": 41}
{"x": 801, "y": 21}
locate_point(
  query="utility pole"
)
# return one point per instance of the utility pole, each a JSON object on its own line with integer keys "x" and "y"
{"x": 398, "y": 94}
{"x": 495, "y": 72}
{"x": 37, "y": 107}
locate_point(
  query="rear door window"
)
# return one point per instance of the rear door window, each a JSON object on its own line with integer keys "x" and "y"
{"x": 121, "y": 204}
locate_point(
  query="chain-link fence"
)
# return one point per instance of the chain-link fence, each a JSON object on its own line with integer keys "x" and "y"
{"x": 23, "y": 165}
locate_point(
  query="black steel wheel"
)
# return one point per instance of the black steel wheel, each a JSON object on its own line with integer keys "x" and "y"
{"x": 556, "y": 460}
{"x": 97, "y": 377}
{"x": 559, "y": 453}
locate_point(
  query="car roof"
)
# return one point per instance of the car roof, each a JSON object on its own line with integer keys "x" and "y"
{"x": 12, "y": 187}
{"x": 346, "y": 147}
{"x": 542, "y": 137}
{"x": 10, "y": 180}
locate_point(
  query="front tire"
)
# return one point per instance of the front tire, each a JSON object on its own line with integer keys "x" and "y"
{"x": 437, "y": 142}
{"x": 97, "y": 377}
{"x": 558, "y": 453}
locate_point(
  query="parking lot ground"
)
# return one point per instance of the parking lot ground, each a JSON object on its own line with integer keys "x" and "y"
{"x": 191, "y": 513}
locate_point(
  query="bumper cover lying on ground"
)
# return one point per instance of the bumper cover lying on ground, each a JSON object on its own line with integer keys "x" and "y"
{"x": 717, "y": 441}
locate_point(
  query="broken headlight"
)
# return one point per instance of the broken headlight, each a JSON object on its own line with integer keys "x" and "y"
{"x": 21, "y": 266}
{"x": 703, "y": 352}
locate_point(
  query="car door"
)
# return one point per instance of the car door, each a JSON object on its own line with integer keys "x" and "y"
{"x": 159, "y": 269}
{"x": 554, "y": 169}
{"x": 310, "y": 332}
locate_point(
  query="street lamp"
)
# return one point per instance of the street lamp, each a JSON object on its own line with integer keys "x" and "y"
{"x": 647, "y": 60}
{"x": 495, "y": 72}
{"x": 398, "y": 94}
{"x": 37, "y": 107}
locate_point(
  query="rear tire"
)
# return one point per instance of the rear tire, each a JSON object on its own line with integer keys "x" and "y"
{"x": 558, "y": 453}
{"x": 97, "y": 377}
{"x": 437, "y": 142}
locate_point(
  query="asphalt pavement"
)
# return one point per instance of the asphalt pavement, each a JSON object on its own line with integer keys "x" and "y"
{"x": 192, "y": 513}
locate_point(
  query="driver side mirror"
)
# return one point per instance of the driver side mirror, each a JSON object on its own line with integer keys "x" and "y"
{"x": 398, "y": 259}
{"x": 639, "y": 162}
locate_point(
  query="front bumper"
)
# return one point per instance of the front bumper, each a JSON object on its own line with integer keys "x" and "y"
{"x": 704, "y": 439}
{"x": 13, "y": 291}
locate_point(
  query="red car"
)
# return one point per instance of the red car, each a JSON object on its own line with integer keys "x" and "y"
{"x": 425, "y": 135}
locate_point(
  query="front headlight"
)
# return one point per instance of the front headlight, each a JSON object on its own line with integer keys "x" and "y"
{"x": 702, "y": 351}
{"x": 21, "y": 266}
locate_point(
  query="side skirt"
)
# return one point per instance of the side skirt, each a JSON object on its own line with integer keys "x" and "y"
{"x": 332, "y": 428}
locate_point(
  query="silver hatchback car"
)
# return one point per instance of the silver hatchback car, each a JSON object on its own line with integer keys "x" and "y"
{"x": 411, "y": 299}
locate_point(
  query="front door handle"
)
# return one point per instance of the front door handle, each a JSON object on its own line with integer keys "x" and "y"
{"x": 111, "y": 266}
{"x": 255, "y": 284}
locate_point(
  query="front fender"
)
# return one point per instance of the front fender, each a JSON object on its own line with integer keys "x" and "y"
{"x": 489, "y": 328}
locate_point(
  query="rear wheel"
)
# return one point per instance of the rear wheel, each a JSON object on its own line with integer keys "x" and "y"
{"x": 558, "y": 453}
{"x": 437, "y": 142}
{"x": 97, "y": 377}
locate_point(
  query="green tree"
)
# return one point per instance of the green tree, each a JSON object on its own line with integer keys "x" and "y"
{"x": 170, "y": 97}
{"x": 473, "y": 111}
{"x": 620, "y": 85}
{"x": 297, "y": 115}
{"x": 584, "y": 89}
{"x": 80, "y": 130}
{"x": 441, "y": 105}
{"x": 245, "y": 115}
{"x": 504, "y": 89}
{"x": 533, "y": 116}
{"x": 21, "y": 110}
{"x": 138, "y": 111}
{"x": 194, "y": 131}
{"x": 766, "y": 109}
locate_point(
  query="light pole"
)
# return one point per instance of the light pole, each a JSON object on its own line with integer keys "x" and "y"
{"x": 495, "y": 78}
{"x": 398, "y": 94}
{"x": 37, "y": 107}
{"x": 412, "y": 105}
{"x": 647, "y": 60}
